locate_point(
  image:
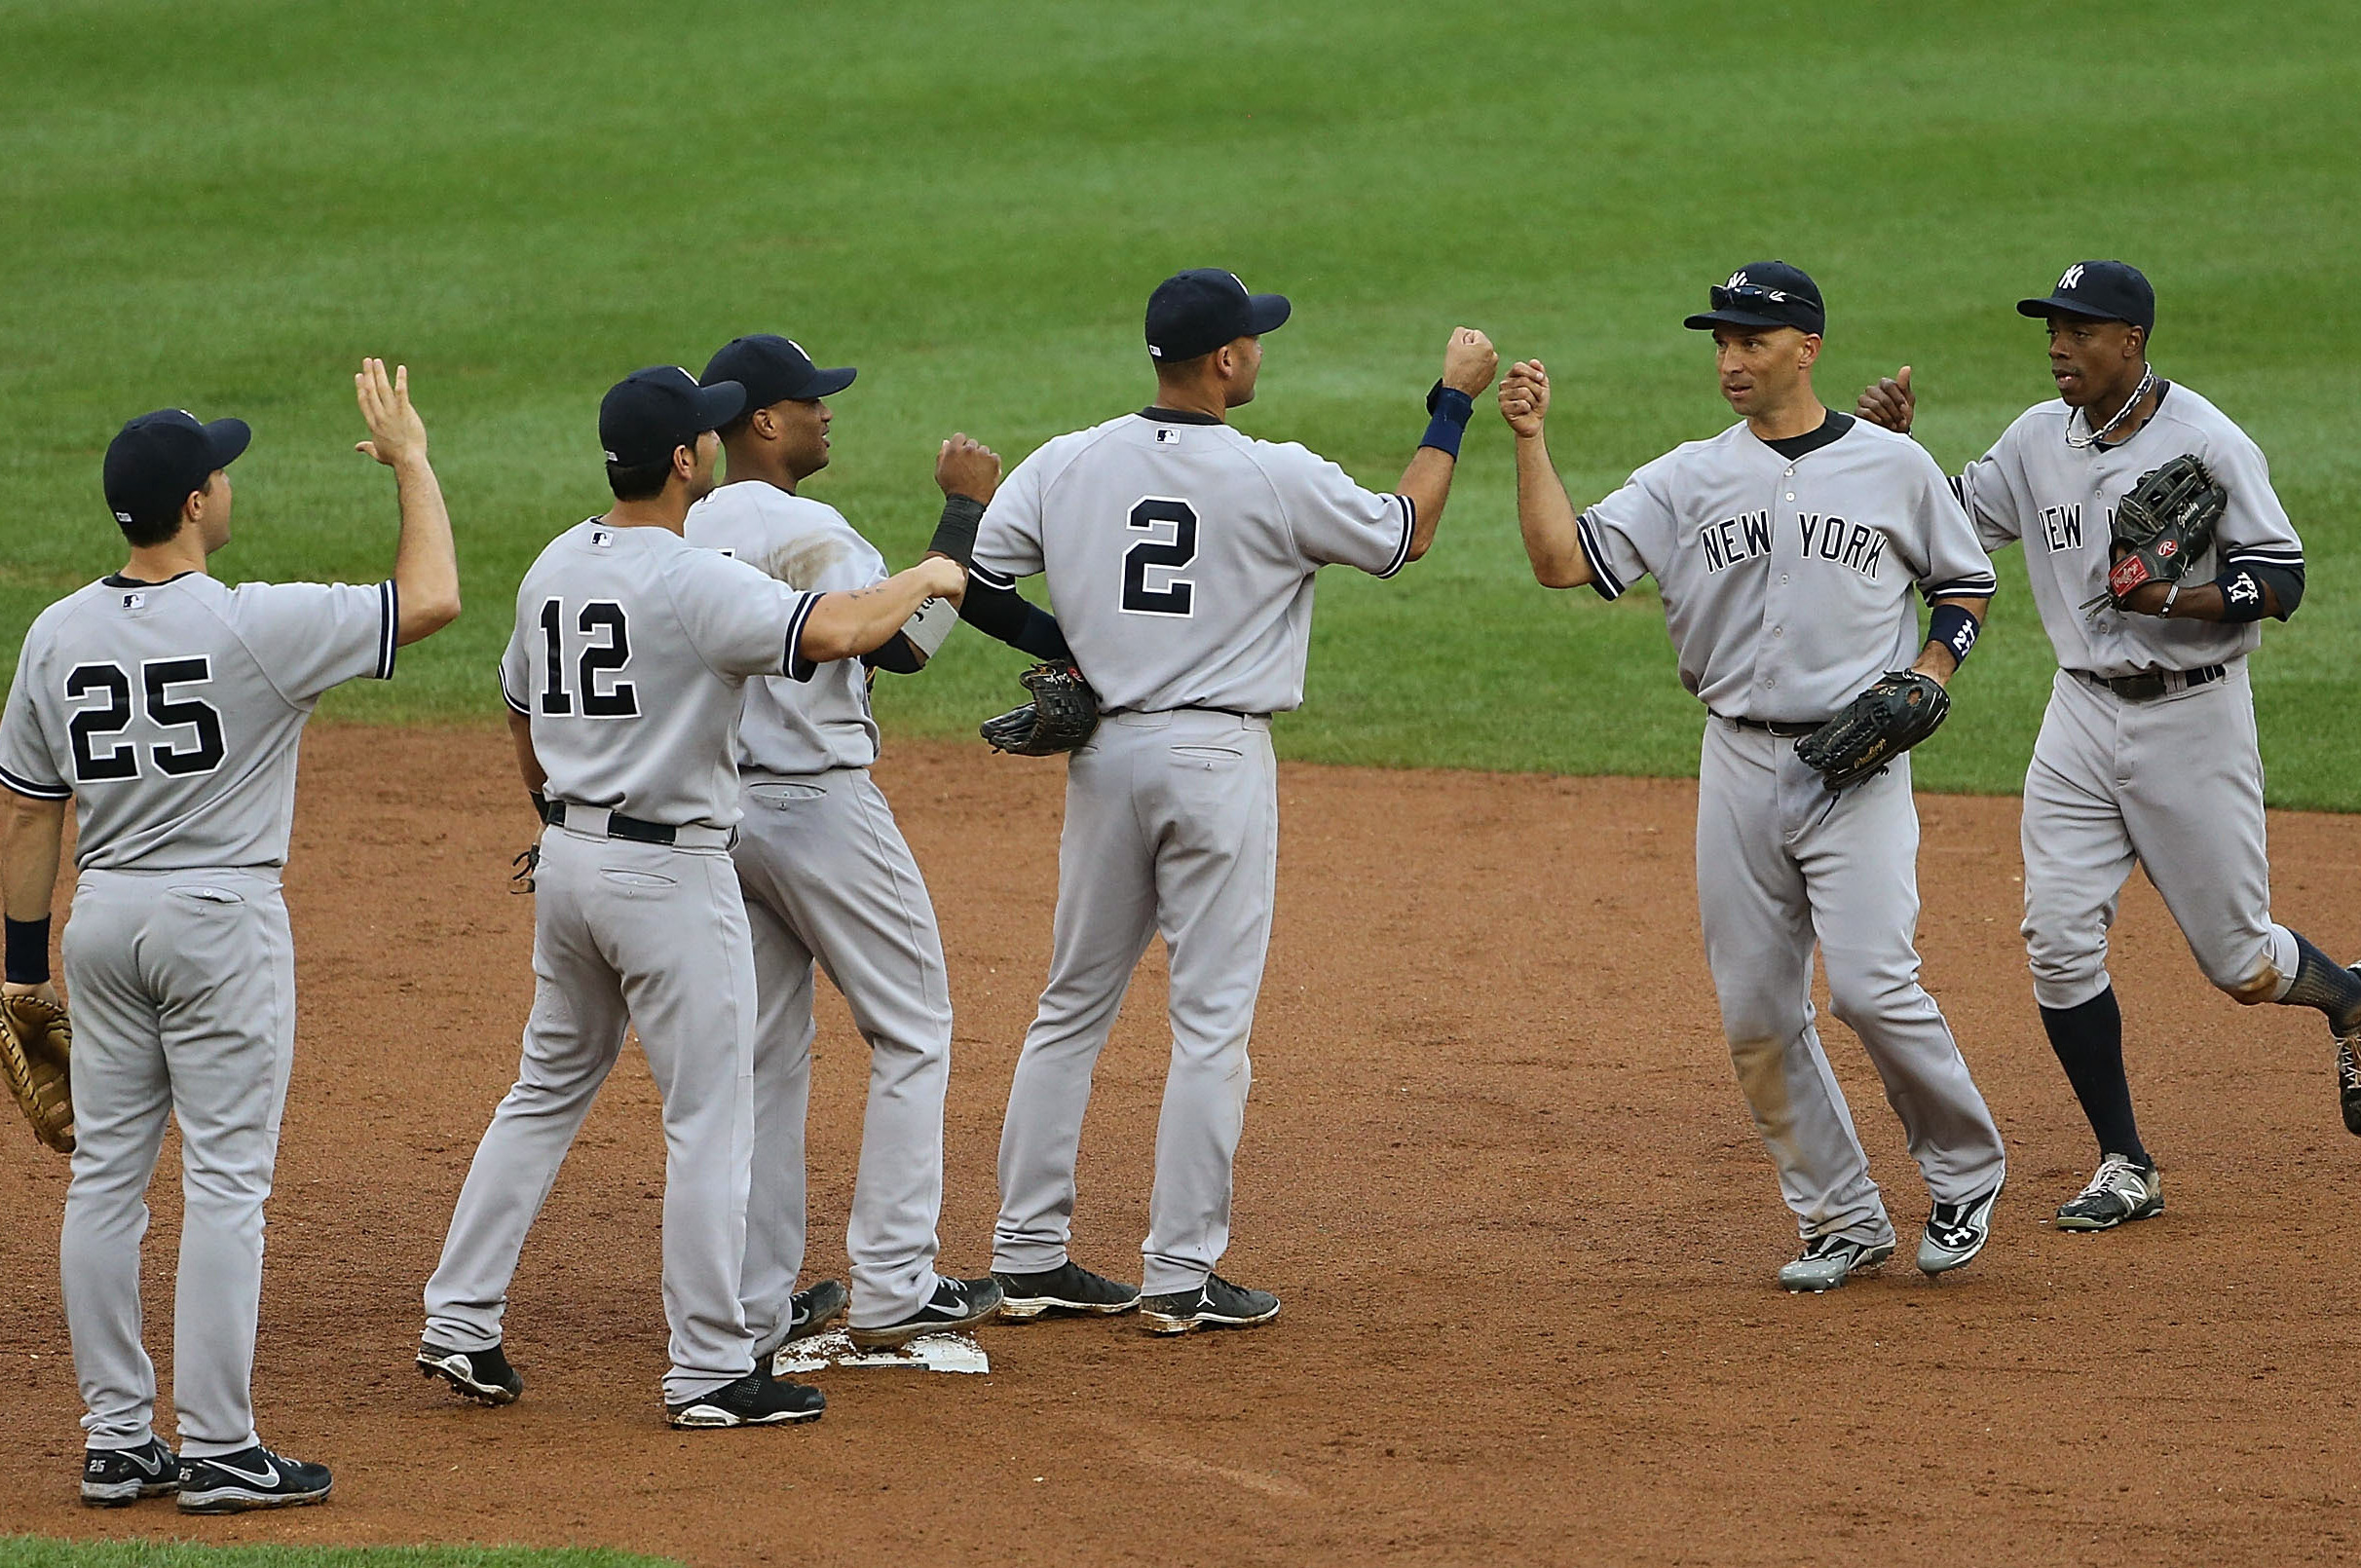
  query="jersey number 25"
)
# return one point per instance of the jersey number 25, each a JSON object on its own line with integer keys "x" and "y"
{"x": 104, "y": 692}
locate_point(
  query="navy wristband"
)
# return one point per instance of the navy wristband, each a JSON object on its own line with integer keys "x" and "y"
{"x": 2241, "y": 595}
{"x": 955, "y": 535}
{"x": 1955, "y": 628}
{"x": 1451, "y": 409}
{"x": 27, "y": 958}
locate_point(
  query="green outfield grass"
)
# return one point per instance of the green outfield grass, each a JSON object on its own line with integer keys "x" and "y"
{"x": 34, "y": 1551}
{"x": 224, "y": 207}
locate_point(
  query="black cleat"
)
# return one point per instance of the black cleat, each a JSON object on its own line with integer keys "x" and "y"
{"x": 1069, "y": 1288}
{"x": 115, "y": 1478}
{"x": 251, "y": 1478}
{"x": 2349, "y": 1081}
{"x": 807, "y": 1313}
{"x": 2121, "y": 1193}
{"x": 757, "y": 1399}
{"x": 482, "y": 1375}
{"x": 1215, "y": 1304}
{"x": 956, "y": 1304}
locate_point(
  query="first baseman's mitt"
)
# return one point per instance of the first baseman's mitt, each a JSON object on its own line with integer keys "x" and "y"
{"x": 1900, "y": 710}
{"x": 36, "y": 1046}
{"x": 1061, "y": 717}
{"x": 2162, "y": 526}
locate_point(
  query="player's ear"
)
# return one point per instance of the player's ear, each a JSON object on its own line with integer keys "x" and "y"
{"x": 1808, "y": 351}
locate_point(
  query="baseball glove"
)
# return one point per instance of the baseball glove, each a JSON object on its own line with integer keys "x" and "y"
{"x": 1061, "y": 717}
{"x": 1900, "y": 710}
{"x": 36, "y": 1045}
{"x": 2161, "y": 527}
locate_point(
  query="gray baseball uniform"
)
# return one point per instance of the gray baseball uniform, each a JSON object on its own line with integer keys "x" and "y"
{"x": 1786, "y": 584}
{"x": 171, "y": 714}
{"x": 1179, "y": 557}
{"x": 630, "y": 652}
{"x": 827, "y": 875}
{"x": 2175, "y": 782}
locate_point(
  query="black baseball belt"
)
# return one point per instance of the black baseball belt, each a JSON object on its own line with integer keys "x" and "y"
{"x": 600, "y": 823}
{"x": 2154, "y": 684}
{"x": 1785, "y": 731}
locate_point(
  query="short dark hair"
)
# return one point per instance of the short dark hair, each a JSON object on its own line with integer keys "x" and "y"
{"x": 640, "y": 481}
{"x": 144, "y": 528}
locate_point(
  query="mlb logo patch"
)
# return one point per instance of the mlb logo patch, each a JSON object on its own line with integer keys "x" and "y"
{"x": 132, "y": 601}
{"x": 601, "y": 538}
{"x": 1167, "y": 436}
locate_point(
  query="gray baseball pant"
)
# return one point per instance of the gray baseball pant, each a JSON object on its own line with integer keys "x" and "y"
{"x": 1172, "y": 825}
{"x": 625, "y": 935}
{"x": 828, "y": 876}
{"x": 1781, "y": 866}
{"x": 184, "y": 993}
{"x": 2174, "y": 784}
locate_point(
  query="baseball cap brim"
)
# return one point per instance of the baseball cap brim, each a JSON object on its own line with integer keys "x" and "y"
{"x": 1708, "y": 320}
{"x": 828, "y": 383}
{"x": 225, "y": 440}
{"x": 1267, "y": 313}
{"x": 2040, "y": 308}
{"x": 718, "y": 405}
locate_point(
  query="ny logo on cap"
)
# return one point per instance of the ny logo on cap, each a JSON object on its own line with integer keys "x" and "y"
{"x": 1737, "y": 279}
{"x": 2073, "y": 279}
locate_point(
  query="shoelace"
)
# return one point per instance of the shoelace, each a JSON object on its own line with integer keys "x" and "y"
{"x": 2110, "y": 1183}
{"x": 2348, "y": 1069}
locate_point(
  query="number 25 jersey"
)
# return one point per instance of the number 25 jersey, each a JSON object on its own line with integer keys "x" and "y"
{"x": 1179, "y": 555}
{"x": 630, "y": 657}
{"x": 170, "y": 712}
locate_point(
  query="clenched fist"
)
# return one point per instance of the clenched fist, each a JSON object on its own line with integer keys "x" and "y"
{"x": 965, "y": 467}
{"x": 1468, "y": 361}
{"x": 1524, "y": 397}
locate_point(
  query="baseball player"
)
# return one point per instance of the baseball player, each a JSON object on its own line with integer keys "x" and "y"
{"x": 168, "y": 707}
{"x": 2146, "y": 752}
{"x": 827, "y": 877}
{"x": 624, "y": 680}
{"x": 1786, "y": 549}
{"x": 1181, "y": 555}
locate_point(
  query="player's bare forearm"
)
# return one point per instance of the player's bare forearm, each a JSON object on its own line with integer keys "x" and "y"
{"x": 528, "y": 761}
{"x": 845, "y": 626}
{"x": 425, "y": 564}
{"x": 29, "y": 855}
{"x": 1544, "y": 516}
{"x": 2197, "y": 601}
{"x": 1426, "y": 484}
{"x": 1937, "y": 660}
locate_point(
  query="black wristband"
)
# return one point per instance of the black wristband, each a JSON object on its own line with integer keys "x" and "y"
{"x": 1955, "y": 629}
{"x": 27, "y": 958}
{"x": 2241, "y": 594}
{"x": 956, "y": 535}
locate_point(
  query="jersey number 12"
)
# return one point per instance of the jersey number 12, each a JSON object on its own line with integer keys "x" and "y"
{"x": 607, "y": 649}
{"x": 1167, "y": 555}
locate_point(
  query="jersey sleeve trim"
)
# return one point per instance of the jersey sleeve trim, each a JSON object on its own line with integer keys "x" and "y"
{"x": 21, "y": 785}
{"x": 796, "y": 665}
{"x": 1603, "y": 580}
{"x": 1981, "y": 585}
{"x": 1409, "y": 526}
{"x": 388, "y": 602}
{"x": 515, "y": 706}
{"x": 989, "y": 577}
{"x": 2286, "y": 555}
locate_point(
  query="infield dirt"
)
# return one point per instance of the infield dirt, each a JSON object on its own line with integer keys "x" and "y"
{"x": 1494, "y": 1163}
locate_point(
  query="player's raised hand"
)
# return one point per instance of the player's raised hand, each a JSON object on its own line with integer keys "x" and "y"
{"x": 396, "y": 434}
{"x": 947, "y": 580}
{"x": 1889, "y": 401}
{"x": 965, "y": 467}
{"x": 1468, "y": 361}
{"x": 1524, "y": 397}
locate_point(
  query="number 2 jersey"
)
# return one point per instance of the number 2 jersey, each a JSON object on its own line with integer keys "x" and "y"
{"x": 170, "y": 712}
{"x": 630, "y": 657}
{"x": 1179, "y": 555}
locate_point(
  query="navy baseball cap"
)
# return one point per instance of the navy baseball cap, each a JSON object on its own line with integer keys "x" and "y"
{"x": 1764, "y": 293}
{"x": 773, "y": 369}
{"x": 651, "y": 413}
{"x": 2102, "y": 290}
{"x": 1198, "y": 310}
{"x": 159, "y": 460}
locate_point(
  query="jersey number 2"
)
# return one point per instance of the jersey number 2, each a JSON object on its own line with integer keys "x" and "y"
{"x": 111, "y": 713}
{"x": 1179, "y": 595}
{"x": 601, "y": 620}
